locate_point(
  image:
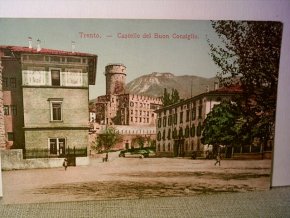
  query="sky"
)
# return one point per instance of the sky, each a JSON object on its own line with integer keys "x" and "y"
{"x": 133, "y": 43}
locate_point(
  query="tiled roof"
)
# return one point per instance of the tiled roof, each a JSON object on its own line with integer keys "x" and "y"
{"x": 21, "y": 49}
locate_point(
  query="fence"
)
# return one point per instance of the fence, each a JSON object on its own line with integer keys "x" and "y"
{"x": 45, "y": 153}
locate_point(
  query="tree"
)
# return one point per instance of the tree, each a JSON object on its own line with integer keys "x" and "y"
{"x": 106, "y": 140}
{"x": 169, "y": 99}
{"x": 250, "y": 53}
{"x": 174, "y": 96}
{"x": 140, "y": 140}
{"x": 223, "y": 126}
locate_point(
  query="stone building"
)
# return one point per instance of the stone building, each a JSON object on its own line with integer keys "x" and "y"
{"x": 179, "y": 126}
{"x": 129, "y": 133}
{"x": 45, "y": 99}
{"x": 118, "y": 108}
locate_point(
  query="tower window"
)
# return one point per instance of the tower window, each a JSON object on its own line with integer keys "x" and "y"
{"x": 55, "y": 77}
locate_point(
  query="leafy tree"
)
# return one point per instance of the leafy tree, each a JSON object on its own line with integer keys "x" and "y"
{"x": 106, "y": 140}
{"x": 140, "y": 140}
{"x": 223, "y": 126}
{"x": 250, "y": 53}
{"x": 168, "y": 99}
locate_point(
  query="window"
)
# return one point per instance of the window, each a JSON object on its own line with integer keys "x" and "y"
{"x": 181, "y": 117}
{"x": 55, "y": 77}
{"x": 5, "y": 82}
{"x": 159, "y": 123}
{"x": 169, "y": 120}
{"x": 186, "y": 134}
{"x": 13, "y": 110}
{"x": 55, "y": 109}
{"x": 6, "y": 110}
{"x": 169, "y": 134}
{"x": 164, "y": 121}
{"x": 158, "y": 147}
{"x": 13, "y": 82}
{"x": 193, "y": 113}
{"x": 192, "y": 130}
{"x": 180, "y": 133}
{"x": 198, "y": 129}
{"x": 10, "y": 136}
{"x": 187, "y": 115}
{"x": 163, "y": 134}
{"x": 57, "y": 146}
{"x": 158, "y": 136}
{"x": 200, "y": 112}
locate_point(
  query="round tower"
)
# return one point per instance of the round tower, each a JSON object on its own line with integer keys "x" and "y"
{"x": 115, "y": 79}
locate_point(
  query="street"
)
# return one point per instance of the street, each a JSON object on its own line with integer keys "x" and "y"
{"x": 131, "y": 178}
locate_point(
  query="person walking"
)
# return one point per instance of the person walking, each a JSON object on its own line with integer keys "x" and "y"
{"x": 218, "y": 159}
{"x": 65, "y": 164}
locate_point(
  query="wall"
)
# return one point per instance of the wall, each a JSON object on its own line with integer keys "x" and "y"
{"x": 39, "y": 138}
{"x": 13, "y": 160}
{"x": 37, "y": 108}
{"x": 2, "y": 126}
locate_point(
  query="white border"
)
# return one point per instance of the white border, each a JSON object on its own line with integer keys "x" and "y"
{"x": 277, "y": 10}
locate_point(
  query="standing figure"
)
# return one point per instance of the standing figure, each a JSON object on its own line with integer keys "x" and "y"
{"x": 218, "y": 159}
{"x": 65, "y": 164}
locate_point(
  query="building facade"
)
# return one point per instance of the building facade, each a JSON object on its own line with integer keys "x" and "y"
{"x": 128, "y": 133}
{"x": 123, "y": 110}
{"x": 120, "y": 108}
{"x": 46, "y": 99}
{"x": 179, "y": 126}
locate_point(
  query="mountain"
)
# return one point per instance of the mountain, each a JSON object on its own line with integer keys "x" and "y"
{"x": 153, "y": 84}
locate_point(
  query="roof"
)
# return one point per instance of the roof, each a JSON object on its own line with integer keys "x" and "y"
{"x": 44, "y": 51}
{"x": 229, "y": 90}
{"x": 22, "y": 49}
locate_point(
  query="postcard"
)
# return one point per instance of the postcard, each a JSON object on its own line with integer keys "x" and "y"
{"x": 104, "y": 109}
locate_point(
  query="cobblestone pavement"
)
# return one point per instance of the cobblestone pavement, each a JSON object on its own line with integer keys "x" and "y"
{"x": 131, "y": 178}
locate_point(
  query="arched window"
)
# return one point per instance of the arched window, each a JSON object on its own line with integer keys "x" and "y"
{"x": 159, "y": 136}
{"x": 163, "y": 134}
{"x": 169, "y": 134}
{"x": 186, "y": 132}
{"x": 174, "y": 135}
{"x": 180, "y": 132}
{"x": 198, "y": 132}
{"x": 158, "y": 147}
{"x": 169, "y": 147}
{"x": 192, "y": 130}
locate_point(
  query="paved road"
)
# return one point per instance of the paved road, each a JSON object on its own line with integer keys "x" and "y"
{"x": 134, "y": 178}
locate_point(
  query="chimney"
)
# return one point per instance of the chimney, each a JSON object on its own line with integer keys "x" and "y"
{"x": 30, "y": 42}
{"x": 38, "y": 48}
{"x": 216, "y": 85}
{"x": 73, "y": 46}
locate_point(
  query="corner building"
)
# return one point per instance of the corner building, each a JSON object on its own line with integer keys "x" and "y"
{"x": 179, "y": 126}
{"x": 46, "y": 99}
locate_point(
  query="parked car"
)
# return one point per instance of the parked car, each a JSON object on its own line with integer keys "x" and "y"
{"x": 137, "y": 153}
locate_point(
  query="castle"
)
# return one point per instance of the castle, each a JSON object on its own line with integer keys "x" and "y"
{"x": 124, "y": 110}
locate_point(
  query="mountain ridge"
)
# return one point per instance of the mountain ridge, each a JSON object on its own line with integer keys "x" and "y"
{"x": 153, "y": 84}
